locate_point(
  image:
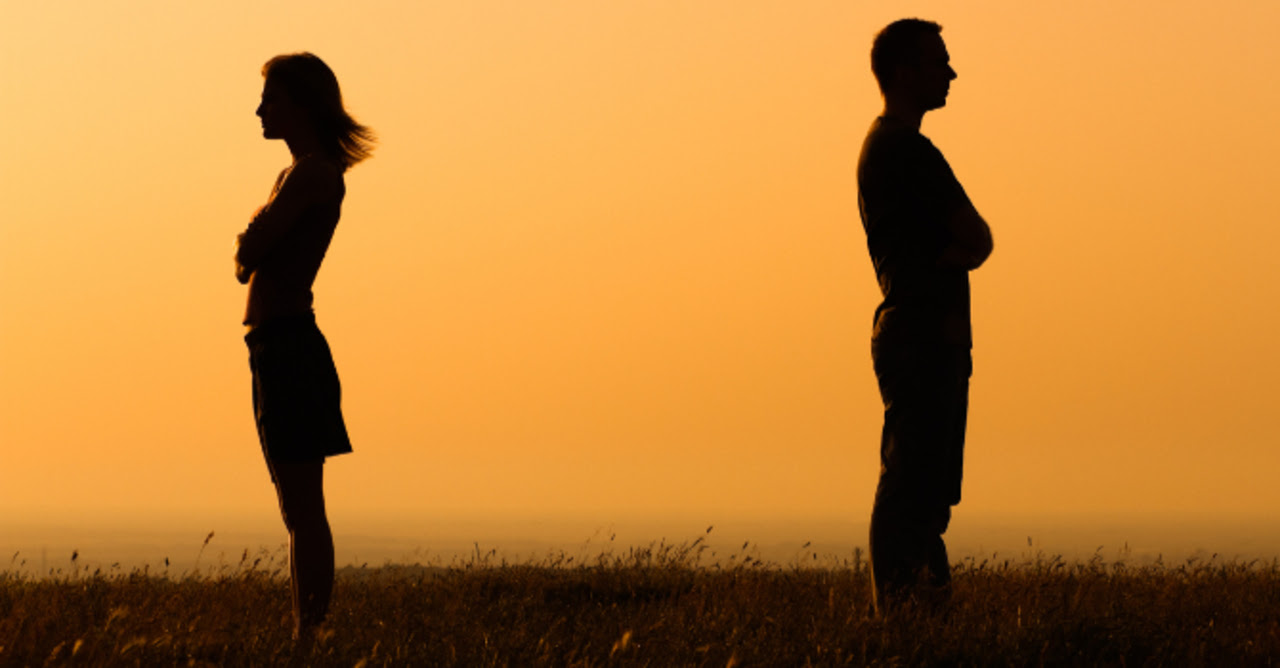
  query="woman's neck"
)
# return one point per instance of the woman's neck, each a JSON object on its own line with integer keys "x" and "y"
{"x": 302, "y": 146}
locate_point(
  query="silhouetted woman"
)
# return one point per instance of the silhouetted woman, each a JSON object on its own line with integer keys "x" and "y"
{"x": 295, "y": 384}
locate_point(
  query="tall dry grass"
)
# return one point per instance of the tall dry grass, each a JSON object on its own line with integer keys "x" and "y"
{"x": 664, "y": 605}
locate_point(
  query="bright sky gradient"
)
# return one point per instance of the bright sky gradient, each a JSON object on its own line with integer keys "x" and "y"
{"x": 607, "y": 257}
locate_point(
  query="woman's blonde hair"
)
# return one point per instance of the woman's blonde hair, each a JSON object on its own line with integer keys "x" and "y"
{"x": 311, "y": 85}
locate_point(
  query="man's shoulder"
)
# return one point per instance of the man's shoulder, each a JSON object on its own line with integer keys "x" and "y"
{"x": 889, "y": 153}
{"x": 905, "y": 142}
{"x": 888, "y": 132}
{"x": 902, "y": 153}
{"x": 895, "y": 143}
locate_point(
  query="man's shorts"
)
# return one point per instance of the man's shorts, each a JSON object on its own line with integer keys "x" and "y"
{"x": 925, "y": 389}
{"x": 296, "y": 394}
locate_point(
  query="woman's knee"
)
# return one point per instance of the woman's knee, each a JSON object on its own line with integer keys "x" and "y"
{"x": 300, "y": 488}
{"x": 302, "y": 514}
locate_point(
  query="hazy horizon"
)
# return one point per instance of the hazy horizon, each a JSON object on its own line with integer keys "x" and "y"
{"x": 445, "y": 539}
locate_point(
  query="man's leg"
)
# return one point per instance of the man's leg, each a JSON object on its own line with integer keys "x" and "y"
{"x": 908, "y": 555}
{"x": 952, "y": 410}
{"x": 920, "y": 470}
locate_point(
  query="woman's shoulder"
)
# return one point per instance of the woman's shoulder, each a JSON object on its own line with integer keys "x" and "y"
{"x": 319, "y": 166}
{"x": 319, "y": 173}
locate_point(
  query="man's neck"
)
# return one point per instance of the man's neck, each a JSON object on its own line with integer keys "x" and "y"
{"x": 902, "y": 115}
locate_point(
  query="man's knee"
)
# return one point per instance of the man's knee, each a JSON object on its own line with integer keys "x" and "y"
{"x": 918, "y": 513}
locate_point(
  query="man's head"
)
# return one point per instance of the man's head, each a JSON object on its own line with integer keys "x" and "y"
{"x": 911, "y": 63}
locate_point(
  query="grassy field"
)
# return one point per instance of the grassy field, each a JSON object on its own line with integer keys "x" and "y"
{"x": 660, "y": 606}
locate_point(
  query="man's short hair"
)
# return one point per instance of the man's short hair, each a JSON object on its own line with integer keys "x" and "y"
{"x": 898, "y": 44}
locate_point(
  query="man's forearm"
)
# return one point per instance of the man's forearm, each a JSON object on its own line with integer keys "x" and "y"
{"x": 968, "y": 254}
{"x": 971, "y": 243}
{"x": 959, "y": 257}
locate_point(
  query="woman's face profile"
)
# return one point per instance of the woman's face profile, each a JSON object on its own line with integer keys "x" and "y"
{"x": 280, "y": 116}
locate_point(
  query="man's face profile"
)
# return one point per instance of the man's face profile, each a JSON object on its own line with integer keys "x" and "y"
{"x": 928, "y": 80}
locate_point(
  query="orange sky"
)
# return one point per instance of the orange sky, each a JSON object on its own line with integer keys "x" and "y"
{"x": 607, "y": 257}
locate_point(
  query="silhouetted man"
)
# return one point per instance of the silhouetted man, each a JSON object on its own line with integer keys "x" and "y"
{"x": 924, "y": 237}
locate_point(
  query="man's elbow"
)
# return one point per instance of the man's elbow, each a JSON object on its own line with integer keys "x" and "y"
{"x": 979, "y": 248}
{"x": 983, "y": 252}
{"x": 961, "y": 257}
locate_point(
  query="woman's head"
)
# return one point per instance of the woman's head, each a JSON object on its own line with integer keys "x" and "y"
{"x": 310, "y": 90}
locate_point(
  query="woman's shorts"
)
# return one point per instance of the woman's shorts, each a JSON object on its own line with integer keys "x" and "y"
{"x": 296, "y": 394}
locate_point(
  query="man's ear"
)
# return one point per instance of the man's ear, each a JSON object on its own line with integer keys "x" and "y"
{"x": 899, "y": 78}
{"x": 905, "y": 73}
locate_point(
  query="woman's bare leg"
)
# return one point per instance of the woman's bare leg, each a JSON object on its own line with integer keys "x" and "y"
{"x": 300, "y": 487}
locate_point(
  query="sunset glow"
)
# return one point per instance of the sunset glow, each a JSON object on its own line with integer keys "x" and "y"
{"x": 607, "y": 258}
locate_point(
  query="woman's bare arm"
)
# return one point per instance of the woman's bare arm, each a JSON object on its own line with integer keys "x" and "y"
{"x": 310, "y": 182}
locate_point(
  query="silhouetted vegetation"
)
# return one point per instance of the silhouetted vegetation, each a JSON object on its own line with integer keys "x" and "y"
{"x": 659, "y": 606}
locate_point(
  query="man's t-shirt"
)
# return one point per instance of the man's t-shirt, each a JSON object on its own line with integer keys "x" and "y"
{"x": 906, "y": 192}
